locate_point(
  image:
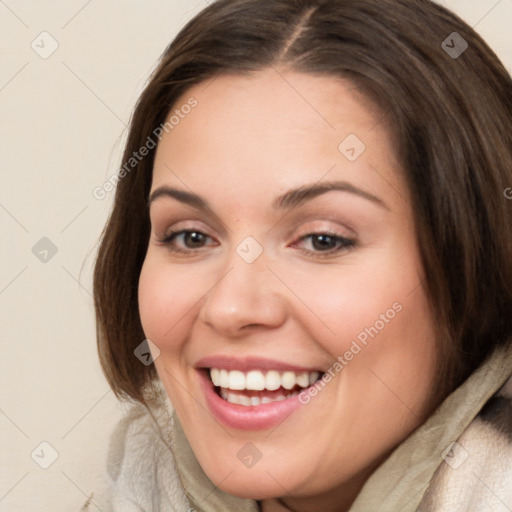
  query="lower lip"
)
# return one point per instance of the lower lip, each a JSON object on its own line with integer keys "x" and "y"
{"x": 254, "y": 417}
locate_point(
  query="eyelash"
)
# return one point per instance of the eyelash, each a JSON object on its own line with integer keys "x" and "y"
{"x": 343, "y": 244}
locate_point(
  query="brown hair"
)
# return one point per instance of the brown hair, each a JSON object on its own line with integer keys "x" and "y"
{"x": 451, "y": 117}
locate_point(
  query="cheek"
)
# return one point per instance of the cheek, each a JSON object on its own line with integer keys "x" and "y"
{"x": 166, "y": 300}
{"x": 352, "y": 301}
{"x": 375, "y": 315}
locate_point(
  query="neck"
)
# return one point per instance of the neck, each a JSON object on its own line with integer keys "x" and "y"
{"x": 338, "y": 500}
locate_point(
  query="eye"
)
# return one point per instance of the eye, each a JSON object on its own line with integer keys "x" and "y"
{"x": 185, "y": 240}
{"x": 321, "y": 244}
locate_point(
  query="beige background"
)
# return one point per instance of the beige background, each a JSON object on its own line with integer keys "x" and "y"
{"x": 62, "y": 122}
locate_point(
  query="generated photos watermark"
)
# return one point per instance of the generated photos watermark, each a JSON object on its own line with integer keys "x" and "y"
{"x": 152, "y": 140}
{"x": 356, "y": 346}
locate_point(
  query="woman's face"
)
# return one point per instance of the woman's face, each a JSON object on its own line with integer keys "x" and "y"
{"x": 283, "y": 248}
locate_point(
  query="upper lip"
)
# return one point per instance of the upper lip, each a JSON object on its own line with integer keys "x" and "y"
{"x": 246, "y": 364}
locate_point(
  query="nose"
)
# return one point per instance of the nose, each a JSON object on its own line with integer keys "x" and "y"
{"x": 246, "y": 296}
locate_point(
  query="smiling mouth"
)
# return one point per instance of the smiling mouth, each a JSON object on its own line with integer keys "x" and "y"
{"x": 258, "y": 387}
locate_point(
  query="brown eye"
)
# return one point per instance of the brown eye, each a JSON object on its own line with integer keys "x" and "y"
{"x": 325, "y": 243}
{"x": 194, "y": 239}
{"x": 186, "y": 240}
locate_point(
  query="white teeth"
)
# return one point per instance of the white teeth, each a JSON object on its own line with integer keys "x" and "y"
{"x": 239, "y": 399}
{"x": 223, "y": 379}
{"x": 272, "y": 380}
{"x": 303, "y": 379}
{"x": 215, "y": 376}
{"x": 256, "y": 380}
{"x": 255, "y": 400}
{"x": 244, "y": 400}
{"x": 288, "y": 380}
{"x": 236, "y": 380}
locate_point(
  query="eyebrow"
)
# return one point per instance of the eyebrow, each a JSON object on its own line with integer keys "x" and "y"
{"x": 295, "y": 197}
{"x": 180, "y": 195}
{"x": 287, "y": 201}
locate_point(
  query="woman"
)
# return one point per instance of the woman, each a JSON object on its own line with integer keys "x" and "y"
{"x": 305, "y": 284}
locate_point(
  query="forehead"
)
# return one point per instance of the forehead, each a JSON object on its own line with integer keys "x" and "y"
{"x": 269, "y": 131}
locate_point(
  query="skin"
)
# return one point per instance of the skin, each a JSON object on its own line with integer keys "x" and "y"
{"x": 249, "y": 140}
